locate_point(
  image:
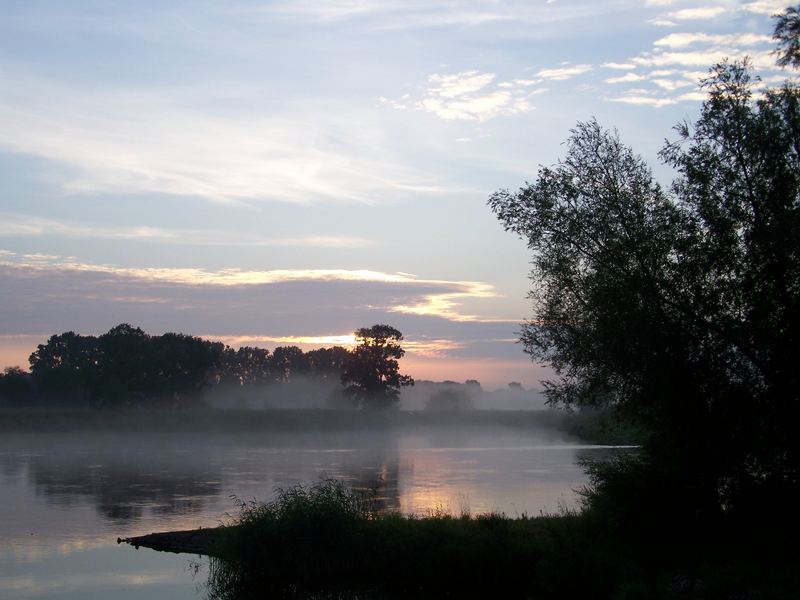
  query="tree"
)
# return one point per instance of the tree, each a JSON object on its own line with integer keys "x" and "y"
{"x": 449, "y": 400}
{"x": 473, "y": 385}
{"x": 327, "y": 363}
{"x": 787, "y": 34}
{"x": 182, "y": 364}
{"x": 15, "y": 386}
{"x": 127, "y": 369}
{"x": 680, "y": 309}
{"x": 124, "y": 365}
{"x": 67, "y": 367}
{"x": 372, "y": 373}
{"x": 287, "y": 362}
{"x": 248, "y": 366}
{"x": 255, "y": 364}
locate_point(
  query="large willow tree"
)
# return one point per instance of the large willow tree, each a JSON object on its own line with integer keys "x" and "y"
{"x": 679, "y": 307}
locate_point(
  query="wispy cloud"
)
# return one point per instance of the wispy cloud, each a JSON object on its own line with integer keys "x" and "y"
{"x": 565, "y": 72}
{"x": 446, "y": 304}
{"x": 406, "y": 14}
{"x": 766, "y": 7}
{"x": 476, "y": 108}
{"x": 662, "y": 22}
{"x": 15, "y": 225}
{"x": 703, "y": 58}
{"x": 470, "y": 96}
{"x": 684, "y": 40}
{"x": 672, "y": 84}
{"x": 698, "y": 13}
{"x": 636, "y": 97}
{"x": 419, "y": 14}
{"x": 12, "y": 225}
{"x": 423, "y": 297}
{"x": 204, "y": 277}
{"x": 627, "y": 78}
{"x": 648, "y": 98}
{"x": 459, "y": 84}
{"x": 626, "y": 66}
{"x": 680, "y": 60}
{"x": 159, "y": 141}
{"x": 432, "y": 348}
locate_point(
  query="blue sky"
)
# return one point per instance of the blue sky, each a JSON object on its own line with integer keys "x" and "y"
{"x": 284, "y": 172}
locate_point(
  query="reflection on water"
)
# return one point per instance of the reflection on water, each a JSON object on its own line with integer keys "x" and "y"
{"x": 66, "y": 497}
{"x": 121, "y": 484}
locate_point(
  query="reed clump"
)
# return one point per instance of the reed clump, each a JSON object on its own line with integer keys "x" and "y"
{"x": 329, "y": 541}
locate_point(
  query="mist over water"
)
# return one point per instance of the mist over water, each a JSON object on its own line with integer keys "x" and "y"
{"x": 66, "y": 497}
{"x": 306, "y": 392}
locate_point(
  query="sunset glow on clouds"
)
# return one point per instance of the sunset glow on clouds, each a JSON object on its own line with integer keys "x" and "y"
{"x": 419, "y": 348}
{"x": 439, "y": 304}
{"x": 275, "y": 171}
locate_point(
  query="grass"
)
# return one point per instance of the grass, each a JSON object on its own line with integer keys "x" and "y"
{"x": 328, "y": 538}
{"x": 326, "y": 541}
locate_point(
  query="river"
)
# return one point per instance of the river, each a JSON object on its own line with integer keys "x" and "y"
{"x": 66, "y": 497}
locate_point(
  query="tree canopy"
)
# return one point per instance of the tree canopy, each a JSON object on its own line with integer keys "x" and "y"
{"x": 372, "y": 372}
{"x": 679, "y": 307}
{"x": 787, "y": 34}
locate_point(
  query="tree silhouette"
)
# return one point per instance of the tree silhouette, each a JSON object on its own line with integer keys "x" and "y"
{"x": 67, "y": 367}
{"x": 123, "y": 366}
{"x": 288, "y": 361}
{"x": 15, "y": 386}
{"x": 680, "y": 309}
{"x": 787, "y": 34}
{"x": 126, "y": 366}
{"x": 327, "y": 363}
{"x": 372, "y": 374}
{"x": 246, "y": 366}
{"x": 182, "y": 364}
{"x": 449, "y": 400}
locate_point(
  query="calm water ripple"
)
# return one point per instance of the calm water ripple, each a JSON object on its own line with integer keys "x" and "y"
{"x": 66, "y": 497}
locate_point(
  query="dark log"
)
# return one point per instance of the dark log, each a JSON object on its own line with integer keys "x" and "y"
{"x": 195, "y": 541}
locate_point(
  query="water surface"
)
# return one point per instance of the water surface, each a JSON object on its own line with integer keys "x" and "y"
{"x": 66, "y": 497}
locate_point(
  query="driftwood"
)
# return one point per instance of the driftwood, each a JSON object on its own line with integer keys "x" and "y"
{"x": 195, "y": 541}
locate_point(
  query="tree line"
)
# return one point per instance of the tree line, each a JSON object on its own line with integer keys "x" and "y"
{"x": 126, "y": 366}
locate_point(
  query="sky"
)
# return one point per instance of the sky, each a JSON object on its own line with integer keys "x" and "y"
{"x": 276, "y": 173}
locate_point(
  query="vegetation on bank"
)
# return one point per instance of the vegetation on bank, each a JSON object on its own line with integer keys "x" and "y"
{"x": 326, "y": 541}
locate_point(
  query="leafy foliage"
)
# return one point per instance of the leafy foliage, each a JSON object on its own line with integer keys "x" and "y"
{"x": 15, "y": 386}
{"x": 372, "y": 372}
{"x": 787, "y": 33}
{"x": 681, "y": 309}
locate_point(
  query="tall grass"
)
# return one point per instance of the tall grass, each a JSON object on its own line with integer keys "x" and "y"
{"x": 328, "y": 541}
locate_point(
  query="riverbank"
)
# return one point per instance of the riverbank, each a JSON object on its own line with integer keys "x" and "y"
{"x": 326, "y": 542}
{"x": 594, "y": 428}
